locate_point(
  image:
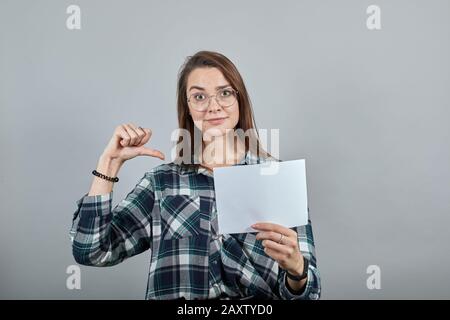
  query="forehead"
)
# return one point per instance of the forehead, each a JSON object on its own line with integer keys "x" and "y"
{"x": 208, "y": 78}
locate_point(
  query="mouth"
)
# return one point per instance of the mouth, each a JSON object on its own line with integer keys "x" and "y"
{"x": 216, "y": 120}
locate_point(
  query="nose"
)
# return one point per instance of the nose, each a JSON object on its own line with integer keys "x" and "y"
{"x": 213, "y": 105}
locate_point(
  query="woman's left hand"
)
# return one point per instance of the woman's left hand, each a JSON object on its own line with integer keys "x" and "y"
{"x": 281, "y": 244}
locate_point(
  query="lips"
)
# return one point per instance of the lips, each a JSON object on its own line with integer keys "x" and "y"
{"x": 216, "y": 121}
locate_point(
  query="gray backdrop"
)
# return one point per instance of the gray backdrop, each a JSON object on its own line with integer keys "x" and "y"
{"x": 368, "y": 110}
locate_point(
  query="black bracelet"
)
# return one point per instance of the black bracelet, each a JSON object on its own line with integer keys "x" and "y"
{"x": 295, "y": 292}
{"x": 305, "y": 271}
{"x": 98, "y": 174}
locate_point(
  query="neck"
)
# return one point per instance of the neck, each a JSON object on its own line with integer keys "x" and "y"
{"x": 223, "y": 150}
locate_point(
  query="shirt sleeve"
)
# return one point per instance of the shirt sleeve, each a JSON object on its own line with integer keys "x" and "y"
{"x": 102, "y": 236}
{"x": 312, "y": 289}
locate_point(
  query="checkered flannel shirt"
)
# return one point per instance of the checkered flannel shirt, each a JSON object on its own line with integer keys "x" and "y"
{"x": 172, "y": 213}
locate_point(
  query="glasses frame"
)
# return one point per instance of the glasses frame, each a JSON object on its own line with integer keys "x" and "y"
{"x": 215, "y": 97}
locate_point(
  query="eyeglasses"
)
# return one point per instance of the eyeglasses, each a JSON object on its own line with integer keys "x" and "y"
{"x": 224, "y": 97}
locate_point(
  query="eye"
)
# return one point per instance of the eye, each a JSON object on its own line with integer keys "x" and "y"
{"x": 199, "y": 96}
{"x": 226, "y": 93}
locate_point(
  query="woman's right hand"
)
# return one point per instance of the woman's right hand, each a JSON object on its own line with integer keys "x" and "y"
{"x": 128, "y": 142}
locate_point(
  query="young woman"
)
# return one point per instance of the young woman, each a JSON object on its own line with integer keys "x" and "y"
{"x": 172, "y": 209}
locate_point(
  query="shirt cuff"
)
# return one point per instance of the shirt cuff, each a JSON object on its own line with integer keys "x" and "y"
{"x": 96, "y": 205}
{"x": 90, "y": 207}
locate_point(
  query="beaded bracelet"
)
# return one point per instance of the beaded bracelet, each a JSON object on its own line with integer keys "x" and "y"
{"x": 98, "y": 174}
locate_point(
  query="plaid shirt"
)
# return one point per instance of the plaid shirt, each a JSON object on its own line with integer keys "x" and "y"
{"x": 172, "y": 212}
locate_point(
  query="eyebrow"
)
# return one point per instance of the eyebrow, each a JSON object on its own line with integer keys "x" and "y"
{"x": 217, "y": 88}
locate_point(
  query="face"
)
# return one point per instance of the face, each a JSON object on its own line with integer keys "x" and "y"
{"x": 215, "y": 119}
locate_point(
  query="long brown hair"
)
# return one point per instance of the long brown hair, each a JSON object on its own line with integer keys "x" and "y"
{"x": 211, "y": 59}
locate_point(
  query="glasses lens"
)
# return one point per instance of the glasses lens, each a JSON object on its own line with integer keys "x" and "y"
{"x": 199, "y": 101}
{"x": 226, "y": 97}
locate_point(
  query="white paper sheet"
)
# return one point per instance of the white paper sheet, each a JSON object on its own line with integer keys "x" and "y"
{"x": 246, "y": 194}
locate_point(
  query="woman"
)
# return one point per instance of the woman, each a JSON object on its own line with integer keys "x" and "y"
{"x": 172, "y": 209}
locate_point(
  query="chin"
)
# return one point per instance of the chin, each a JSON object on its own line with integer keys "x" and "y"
{"x": 216, "y": 131}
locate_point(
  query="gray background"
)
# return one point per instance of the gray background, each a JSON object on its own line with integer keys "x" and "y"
{"x": 368, "y": 110}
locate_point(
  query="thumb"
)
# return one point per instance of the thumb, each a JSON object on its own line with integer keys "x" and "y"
{"x": 144, "y": 151}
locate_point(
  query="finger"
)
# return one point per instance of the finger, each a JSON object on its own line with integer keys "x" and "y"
{"x": 280, "y": 248}
{"x": 132, "y": 132}
{"x": 124, "y": 136}
{"x": 151, "y": 152}
{"x": 146, "y": 137}
{"x": 279, "y": 257}
{"x": 275, "y": 236}
{"x": 269, "y": 226}
{"x": 141, "y": 135}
